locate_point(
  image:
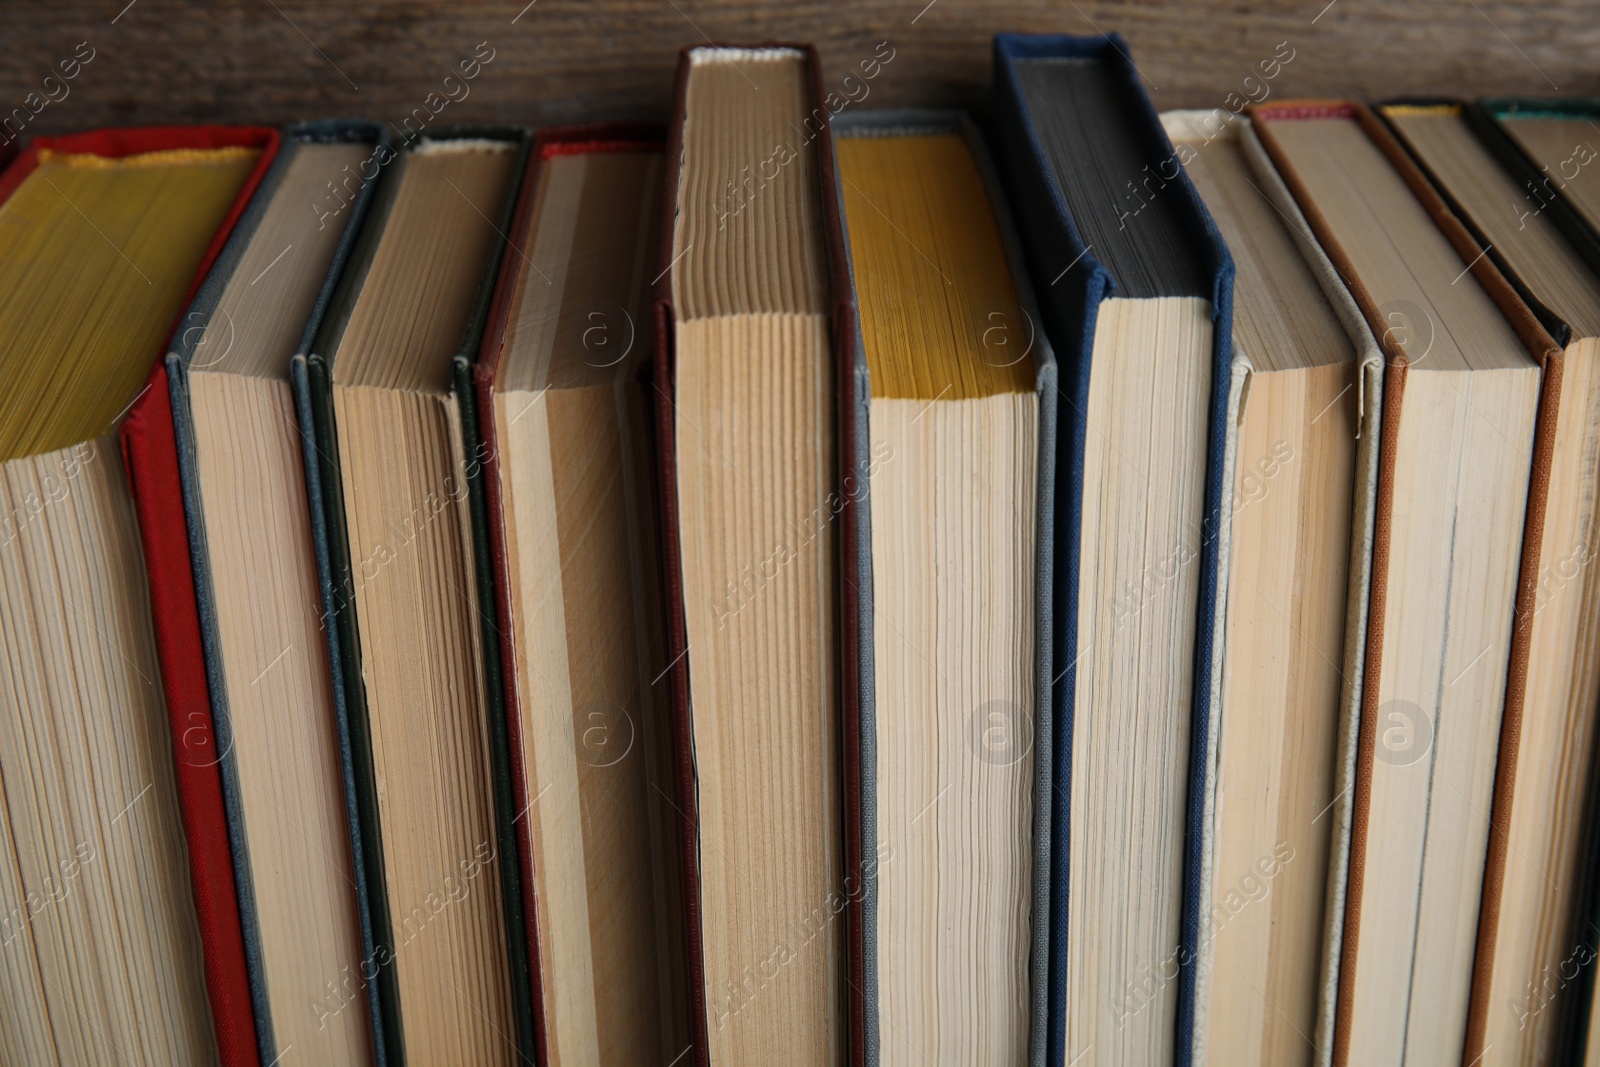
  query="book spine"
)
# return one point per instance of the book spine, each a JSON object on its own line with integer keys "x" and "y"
{"x": 371, "y": 906}
{"x": 506, "y": 784}
{"x": 676, "y": 671}
{"x": 516, "y": 847}
{"x": 149, "y": 448}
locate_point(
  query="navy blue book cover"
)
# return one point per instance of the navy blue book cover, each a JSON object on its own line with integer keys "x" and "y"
{"x": 1072, "y": 283}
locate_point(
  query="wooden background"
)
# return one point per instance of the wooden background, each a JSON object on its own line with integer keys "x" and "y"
{"x": 276, "y": 61}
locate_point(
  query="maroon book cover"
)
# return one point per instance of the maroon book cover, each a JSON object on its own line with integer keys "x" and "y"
{"x": 562, "y": 140}
{"x": 843, "y": 347}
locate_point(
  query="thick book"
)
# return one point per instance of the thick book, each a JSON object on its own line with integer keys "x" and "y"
{"x": 394, "y": 474}
{"x": 564, "y": 412}
{"x": 1301, "y": 457}
{"x": 746, "y": 314}
{"x": 106, "y": 236}
{"x": 1534, "y": 857}
{"x": 255, "y": 579}
{"x": 1136, "y": 292}
{"x": 948, "y": 447}
{"x": 1468, "y": 425}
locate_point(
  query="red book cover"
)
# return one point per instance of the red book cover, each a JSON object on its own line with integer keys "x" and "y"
{"x": 150, "y": 454}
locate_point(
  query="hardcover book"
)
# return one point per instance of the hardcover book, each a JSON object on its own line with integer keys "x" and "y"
{"x": 394, "y": 474}
{"x": 746, "y": 316}
{"x": 1534, "y": 854}
{"x": 565, "y": 418}
{"x": 1137, "y": 299}
{"x": 1547, "y": 147}
{"x": 1468, "y": 425}
{"x": 948, "y": 424}
{"x": 1301, "y": 468}
{"x": 118, "y": 941}
{"x": 255, "y": 578}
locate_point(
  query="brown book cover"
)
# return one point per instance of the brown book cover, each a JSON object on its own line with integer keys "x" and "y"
{"x": 676, "y": 675}
{"x": 1501, "y": 146}
{"x": 1549, "y": 357}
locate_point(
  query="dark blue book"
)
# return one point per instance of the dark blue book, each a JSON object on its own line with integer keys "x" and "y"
{"x": 1135, "y": 288}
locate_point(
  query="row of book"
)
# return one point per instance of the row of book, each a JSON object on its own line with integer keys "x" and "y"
{"x": 806, "y": 585}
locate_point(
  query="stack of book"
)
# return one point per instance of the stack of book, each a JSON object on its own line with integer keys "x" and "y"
{"x": 807, "y": 585}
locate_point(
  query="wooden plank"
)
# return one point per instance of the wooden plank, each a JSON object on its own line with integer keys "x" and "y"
{"x": 276, "y": 61}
